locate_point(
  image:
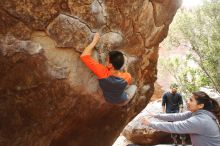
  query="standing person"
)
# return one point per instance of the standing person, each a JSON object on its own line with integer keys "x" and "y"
{"x": 172, "y": 102}
{"x": 201, "y": 122}
{"x": 112, "y": 80}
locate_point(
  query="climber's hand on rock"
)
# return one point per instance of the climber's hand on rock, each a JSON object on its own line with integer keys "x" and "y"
{"x": 96, "y": 38}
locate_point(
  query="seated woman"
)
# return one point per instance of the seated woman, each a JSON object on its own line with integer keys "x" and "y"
{"x": 201, "y": 123}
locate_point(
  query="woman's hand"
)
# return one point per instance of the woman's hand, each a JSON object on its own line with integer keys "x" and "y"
{"x": 150, "y": 114}
{"x": 145, "y": 121}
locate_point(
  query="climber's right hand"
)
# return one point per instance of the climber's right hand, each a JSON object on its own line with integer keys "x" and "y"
{"x": 96, "y": 38}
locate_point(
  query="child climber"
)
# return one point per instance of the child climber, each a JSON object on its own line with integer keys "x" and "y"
{"x": 111, "y": 79}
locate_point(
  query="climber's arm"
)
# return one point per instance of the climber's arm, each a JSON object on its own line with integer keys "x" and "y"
{"x": 98, "y": 69}
{"x": 88, "y": 50}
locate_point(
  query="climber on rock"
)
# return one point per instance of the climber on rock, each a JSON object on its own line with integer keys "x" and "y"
{"x": 112, "y": 80}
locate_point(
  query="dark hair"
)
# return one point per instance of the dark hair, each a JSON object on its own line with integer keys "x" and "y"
{"x": 116, "y": 58}
{"x": 173, "y": 85}
{"x": 209, "y": 103}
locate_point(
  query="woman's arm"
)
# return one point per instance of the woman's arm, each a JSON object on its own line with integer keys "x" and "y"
{"x": 173, "y": 116}
{"x": 191, "y": 125}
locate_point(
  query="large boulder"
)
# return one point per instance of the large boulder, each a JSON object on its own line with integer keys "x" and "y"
{"x": 48, "y": 97}
{"x": 158, "y": 92}
{"x": 138, "y": 133}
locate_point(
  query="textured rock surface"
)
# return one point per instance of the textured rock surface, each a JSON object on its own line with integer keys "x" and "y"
{"x": 47, "y": 96}
{"x": 158, "y": 92}
{"x": 137, "y": 133}
{"x": 140, "y": 134}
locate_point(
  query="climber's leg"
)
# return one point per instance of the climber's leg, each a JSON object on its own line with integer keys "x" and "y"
{"x": 130, "y": 91}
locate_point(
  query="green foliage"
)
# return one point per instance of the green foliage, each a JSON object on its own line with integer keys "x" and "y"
{"x": 199, "y": 31}
{"x": 188, "y": 78}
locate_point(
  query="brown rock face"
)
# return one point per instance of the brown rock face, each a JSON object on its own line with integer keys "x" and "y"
{"x": 141, "y": 134}
{"x": 47, "y": 96}
{"x": 158, "y": 92}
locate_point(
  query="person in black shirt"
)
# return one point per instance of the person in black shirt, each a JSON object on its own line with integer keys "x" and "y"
{"x": 172, "y": 102}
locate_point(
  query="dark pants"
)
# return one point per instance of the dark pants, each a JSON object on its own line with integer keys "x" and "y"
{"x": 173, "y": 135}
{"x": 182, "y": 136}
